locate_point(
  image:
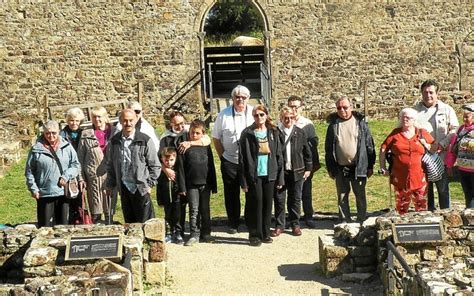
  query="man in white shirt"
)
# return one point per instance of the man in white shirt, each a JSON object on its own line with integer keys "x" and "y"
{"x": 440, "y": 120}
{"x": 228, "y": 126}
{"x": 297, "y": 104}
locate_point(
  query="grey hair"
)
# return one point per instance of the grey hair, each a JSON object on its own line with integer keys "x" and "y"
{"x": 342, "y": 98}
{"x": 134, "y": 105}
{"x": 242, "y": 90}
{"x": 51, "y": 124}
{"x": 409, "y": 112}
{"x": 75, "y": 112}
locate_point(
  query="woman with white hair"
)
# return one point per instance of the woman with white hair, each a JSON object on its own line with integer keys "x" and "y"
{"x": 91, "y": 153}
{"x": 407, "y": 145}
{"x": 461, "y": 154}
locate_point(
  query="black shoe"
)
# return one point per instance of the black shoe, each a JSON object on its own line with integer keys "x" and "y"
{"x": 255, "y": 242}
{"x": 232, "y": 230}
{"x": 267, "y": 240}
{"x": 177, "y": 238}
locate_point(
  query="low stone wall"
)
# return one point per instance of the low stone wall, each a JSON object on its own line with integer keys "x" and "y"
{"x": 442, "y": 268}
{"x": 32, "y": 261}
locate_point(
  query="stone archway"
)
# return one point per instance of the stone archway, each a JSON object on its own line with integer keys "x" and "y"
{"x": 204, "y": 10}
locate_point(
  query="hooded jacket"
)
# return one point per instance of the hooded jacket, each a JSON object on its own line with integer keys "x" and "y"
{"x": 42, "y": 171}
{"x": 365, "y": 156}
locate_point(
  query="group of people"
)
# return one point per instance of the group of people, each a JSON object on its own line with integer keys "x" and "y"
{"x": 271, "y": 163}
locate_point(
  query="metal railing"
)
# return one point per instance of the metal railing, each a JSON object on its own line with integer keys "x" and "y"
{"x": 265, "y": 84}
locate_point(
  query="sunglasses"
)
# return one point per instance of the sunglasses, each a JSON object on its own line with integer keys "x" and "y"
{"x": 468, "y": 108}
{"x": 345, "y": 108}
{"x": 137, "y": 111}
{"x": 259, "y": 115}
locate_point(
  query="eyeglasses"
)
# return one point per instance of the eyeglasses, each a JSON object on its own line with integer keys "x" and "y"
{"x": 259, "y": 115}
{"x": 345, "y": 108}
{"x": 295, "y": 107}
{"x": 137, "y": 111}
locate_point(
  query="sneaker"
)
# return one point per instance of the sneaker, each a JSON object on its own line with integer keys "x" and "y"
{"x": 192, "y": 241}
{"x": 178, "y": 239}
{"x": 168, "y": 238}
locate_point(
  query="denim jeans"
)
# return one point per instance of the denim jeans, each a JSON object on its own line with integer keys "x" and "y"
{"x": 199, "y": 204}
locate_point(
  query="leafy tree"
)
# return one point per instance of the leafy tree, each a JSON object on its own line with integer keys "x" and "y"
{"x": 230, "y": 18}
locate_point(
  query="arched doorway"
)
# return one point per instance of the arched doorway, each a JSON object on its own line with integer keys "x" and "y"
{"x": 225, "y": 65}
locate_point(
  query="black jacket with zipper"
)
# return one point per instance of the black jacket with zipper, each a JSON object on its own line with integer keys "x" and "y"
{"x": 248, "y": 153}
{"x": 301, "y": 156}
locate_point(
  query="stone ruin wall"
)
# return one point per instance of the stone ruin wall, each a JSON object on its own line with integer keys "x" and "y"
{"x": 32, "y": 261}
{"x": 359, "y": 253}
{"x": 73, "y": 51}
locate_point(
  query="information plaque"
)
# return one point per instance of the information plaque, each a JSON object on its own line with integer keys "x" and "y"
{"x": 92, "y": 247}
{"x": 418, "y": 233}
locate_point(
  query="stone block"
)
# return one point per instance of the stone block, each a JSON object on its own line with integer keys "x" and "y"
{"x": 384, "y": 223}
{"x": 364, "y": 260}
{"x": 445, "y": 251}
{"x": 137, "y": 274}
{"x": 364, "y": 269}
{"x": 155, "y": 273}
{"x": 357, "y": 277}
{"x": 346, "y": 231}
{"x": 383, "y": 237}
{"x": 114, "y": 283}
{"x": 461, "y": 251}
{"x": 133, "y": 245}
{"x": 40, "y": 256}
{"x": 157, "y": 252}
{"x": 39, "y": 271}
{"x": 367, "y": 237}
{"x": 468, "y": 215}
{"x": 155, "y": 229}
{"x": 457, "y": 233}
{"x": 452, "y": 219}
{"x": 336, "y": 266}
{"x": 429, "y": 254}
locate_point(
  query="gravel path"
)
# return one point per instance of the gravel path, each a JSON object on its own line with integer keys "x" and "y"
{"x": 288, "y": 266}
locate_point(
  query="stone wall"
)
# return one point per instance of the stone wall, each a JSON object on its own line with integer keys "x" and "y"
{"x": 74, "y": 51}
{"x": 32, "y": 261}
{"x": 442, "y": 268}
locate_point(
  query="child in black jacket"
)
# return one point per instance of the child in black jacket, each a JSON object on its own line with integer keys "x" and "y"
{"x": 196, "y": 179}
{"x": 167, "y": 196}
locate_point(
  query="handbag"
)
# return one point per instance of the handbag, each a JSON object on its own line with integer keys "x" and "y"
{"x": 71, "y": 190}
{"x": 83, "y": 216}
{"x": 433, "y": 164}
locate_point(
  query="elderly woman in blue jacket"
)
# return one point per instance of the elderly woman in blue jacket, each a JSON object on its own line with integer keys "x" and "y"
{"x": 46, "y": 179}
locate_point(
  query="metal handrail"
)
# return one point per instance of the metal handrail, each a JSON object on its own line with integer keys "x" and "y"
{"x": 265, "y": 85}
{"x": 187, "y": 87}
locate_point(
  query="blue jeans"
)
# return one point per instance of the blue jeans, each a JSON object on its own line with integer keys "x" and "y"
{"x": 443, "y": 193}
{"x": 467, "y": 183}
{"x": 199, "y": 204}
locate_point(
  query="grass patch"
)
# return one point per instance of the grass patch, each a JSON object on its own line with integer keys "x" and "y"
{"x": 17, "y": 205}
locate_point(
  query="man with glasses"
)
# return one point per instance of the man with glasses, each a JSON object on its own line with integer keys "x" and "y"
{"x": 440, "y": 120}
{"x": 296, "y": 104}
{"x": 228, "y": 126}
{"x": 350, "y": 157}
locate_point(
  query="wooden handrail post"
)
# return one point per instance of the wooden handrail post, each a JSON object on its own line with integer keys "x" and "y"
{"x": 140, "y": 93}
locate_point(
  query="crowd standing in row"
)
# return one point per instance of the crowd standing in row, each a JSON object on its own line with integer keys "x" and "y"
{"x": 272, "y": 163}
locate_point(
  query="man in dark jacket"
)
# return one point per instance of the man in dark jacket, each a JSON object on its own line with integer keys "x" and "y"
{"x": 350, "y": 157}
{"x": 133, "y": 168}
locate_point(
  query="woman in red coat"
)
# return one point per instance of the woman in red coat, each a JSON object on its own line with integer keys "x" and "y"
{"x": 407, "y": 145}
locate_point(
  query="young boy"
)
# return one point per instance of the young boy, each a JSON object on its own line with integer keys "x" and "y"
{"x": 196, "y": 179}
{"x": 167, "y": 196}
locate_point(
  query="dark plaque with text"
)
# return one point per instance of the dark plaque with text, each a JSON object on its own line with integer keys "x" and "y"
{"x": 92, "y": 247}
{"x": 418, "y": 233}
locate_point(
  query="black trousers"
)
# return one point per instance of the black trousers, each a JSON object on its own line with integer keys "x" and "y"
{"x": 173, "y": 212}
{"x": 199, "y": 197}
{"x": 258, "y": 207}
{"x": 307, "y": 198}
{"x": 293, "y": 189}
{"x": 136, "y": 208}
{"x": 52, "y": 211}
{"x": 231, "y": 179}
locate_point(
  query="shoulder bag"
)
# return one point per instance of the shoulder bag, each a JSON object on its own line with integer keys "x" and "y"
{"x": 71, "y": 190}
{"x": 432, "y": 163}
